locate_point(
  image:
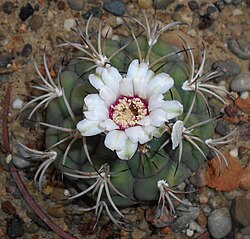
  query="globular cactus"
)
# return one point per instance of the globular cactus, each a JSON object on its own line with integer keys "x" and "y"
{"x": 127, "y": 121}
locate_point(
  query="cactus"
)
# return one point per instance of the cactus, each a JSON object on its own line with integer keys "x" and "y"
{"x": 127, "y": 122}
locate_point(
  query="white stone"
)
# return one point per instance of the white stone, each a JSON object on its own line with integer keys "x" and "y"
{"x": 234, "y": 152}
{"x": 115, "y": 38}
{"x": 17, "y": 104}
{"x": 107, "y": 32}
{"x": 68, "y": 24}
{"x": 244, "y": 95}
{"x": 189, "y": 232}
{"x": 237, "y": 12}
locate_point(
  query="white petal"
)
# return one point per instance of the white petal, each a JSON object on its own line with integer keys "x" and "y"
{"x": 173, "y": 108}
{"x": 126, "y": 87}
{"x": 159, "y": 84}
{"x": 145, "y": 121}
{"x": 137, "y": 134}
{"x": 128, "y": 150}
{"x": 115, "y": 140}
{"x": 149, "y": 131}
{"x": 150, "y": 75}
{"x": 111, "y": 78}
{"x": 155, "y": 102}
{"x": 93, "y": 100}
{"x": 133, "y": 69}
{"x": 158, "y": 117}
{"x": 176, "y": 135}
{"x": 89, "y": 127}
{"x": 143, "y": 70}
{"x": 97, "y": 113}
{"x": 107, "y": 95}
{"x": 96, "y": 81}
{"x": 109, "y": 125}
{"x": 140, "y": 87}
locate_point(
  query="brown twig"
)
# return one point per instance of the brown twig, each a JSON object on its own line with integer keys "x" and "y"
{"x": 15, "y": 174}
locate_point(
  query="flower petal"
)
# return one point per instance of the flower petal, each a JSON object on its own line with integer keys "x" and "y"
{"x": 128, "y": 150}
{"x": 109, "y": 125}
{"x": 155, "y": 102}
{"x": 159, "y": 84}
{"x": 137, "y": 134}
{"x": 96, "y": 81}
{"x": 126, "y": 87}
{"x": 140, "y": 87}
{"x": 176, "y": 135}
{"x": 115, "y": 140}
{"x": 133, "y": 69}
{"x": 111, "y": 78}
{"x": 173, "y": 108}
{"x": 143, "y": 70}
{"x": 150, "y": 75}
{"x": 107, "y": 95}
{"x": 158, "y": 117}
{"x": 97, "y": 113}
{"x": 93, "y": 100}
{"x": 89, "y": 127}
{"x": 145, "y": 121}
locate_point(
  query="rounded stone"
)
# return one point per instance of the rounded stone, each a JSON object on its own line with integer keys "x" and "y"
{"x": 116, "y": 7}
{"x": 220, "y": 223}
{"x": 26, "y": 11}
{"x": 145, "y": 4}
{"x": 35, "y": 22}
{"x": 8, "y": 7}
{"x": 27, "y": 50}
{"x": 241, "y": 82}
{"x": 77, "y": 5}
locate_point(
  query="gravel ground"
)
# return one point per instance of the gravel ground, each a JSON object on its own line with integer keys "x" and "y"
{"x": 223, "y": 27}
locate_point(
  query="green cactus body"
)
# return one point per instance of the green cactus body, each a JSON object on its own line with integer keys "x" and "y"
{"x": 135, "y": 178}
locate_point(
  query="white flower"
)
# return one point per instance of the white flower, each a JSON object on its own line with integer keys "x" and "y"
{"x": 129, "y": 109}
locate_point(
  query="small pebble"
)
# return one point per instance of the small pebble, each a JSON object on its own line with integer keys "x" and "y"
{"x": 186, "y": 217}
{"x": 107, "y": 32}
{"x": 26, "y": 12}
{"x": 223, "y": 128}
{"x": 27, "y": 50}
{"x": 234, "y": 152}
{"x": 241, "y": 82}
{"x": 8, "y": 207}
{"x": 36, "y": 21}
{"x": 69, "y": 24}
{"x": 244, "y": 95}
{"x": 227, "y": 1}
{"x": 145, "y": 4}
{"x": 235, "y": 48}
{"x": 8, "y": 7}
{"x": 95, "y": 11}
{"x": 237, "y": 2}
{"x": 217, "y": 201}
{"x": 189, "y": 232}
{"x": 77, "y": 5}
{"x": 219, "y": 223}
{"x": 15, "y": 228}
{"x": 193, "y": 5}
{"x": 61, "y": 5}
{"x": 162, "y": 4}
{"x": 17, "y": 104}
{"x": 245, "y": 230}
{"x": 220, "y": 5}
{"x": 116, "y": 7}
{"x": 203, "y": 199}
